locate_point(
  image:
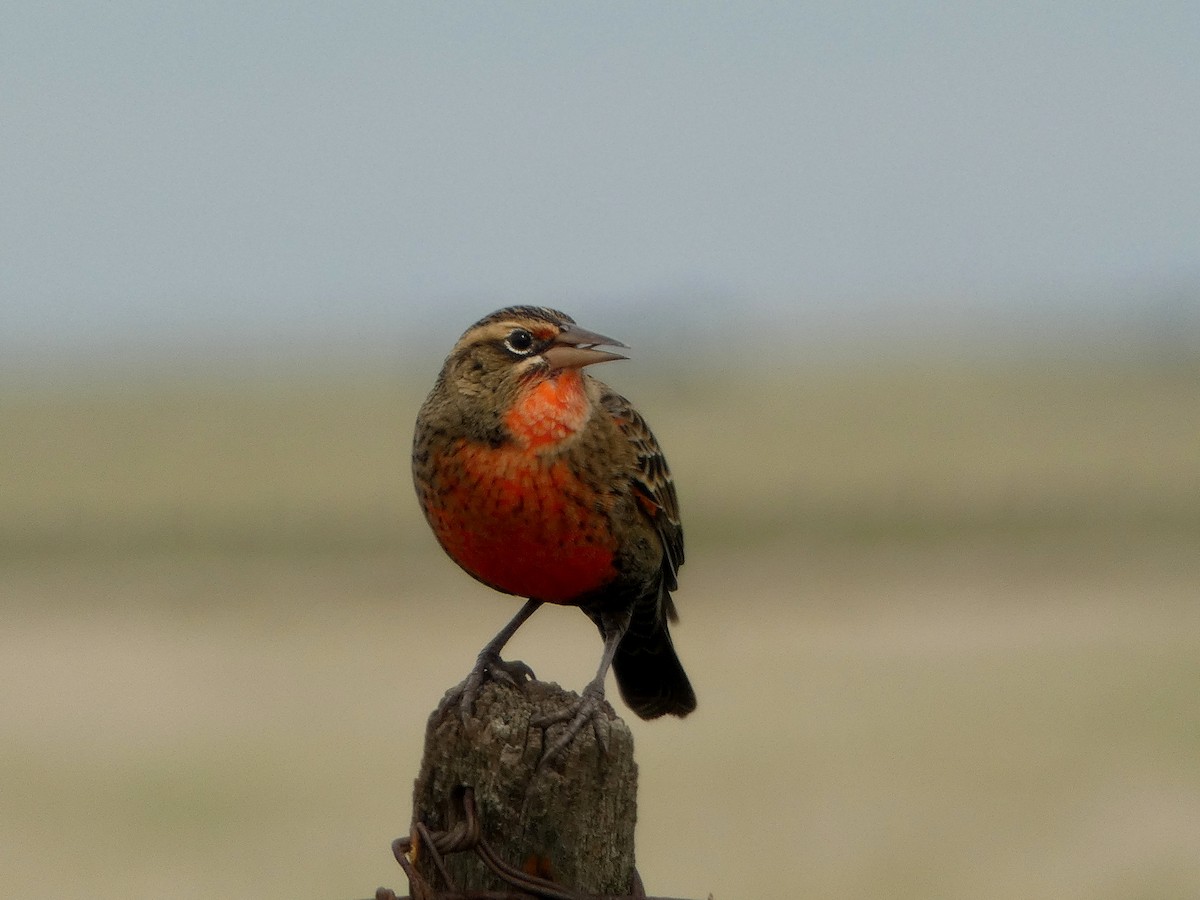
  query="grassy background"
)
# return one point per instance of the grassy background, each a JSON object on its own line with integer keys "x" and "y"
{"x": 942, "y": 619}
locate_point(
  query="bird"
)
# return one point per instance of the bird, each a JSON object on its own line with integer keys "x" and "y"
{"x": 542, "y": 482}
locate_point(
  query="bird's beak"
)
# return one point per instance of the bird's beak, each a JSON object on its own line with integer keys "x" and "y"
{"x": 575, "y": 348}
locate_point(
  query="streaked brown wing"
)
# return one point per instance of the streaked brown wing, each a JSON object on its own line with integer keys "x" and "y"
{"x": 654, "y": 486}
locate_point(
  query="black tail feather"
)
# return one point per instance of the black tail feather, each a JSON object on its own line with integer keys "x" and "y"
{"x": 648, "y": 671}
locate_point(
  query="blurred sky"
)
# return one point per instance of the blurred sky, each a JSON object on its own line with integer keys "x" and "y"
{"x": 288, "y": 171}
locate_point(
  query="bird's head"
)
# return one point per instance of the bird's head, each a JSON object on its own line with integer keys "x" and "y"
{"x": 521, "y": 344}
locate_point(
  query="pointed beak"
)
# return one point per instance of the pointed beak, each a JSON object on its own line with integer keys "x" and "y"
{"x": 575, "y": 348}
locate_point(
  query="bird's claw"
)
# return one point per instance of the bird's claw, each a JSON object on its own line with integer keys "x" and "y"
{"x": 588, "y": 711}
{"x": 488, "y": 667}
{"x": 511, "y": 672}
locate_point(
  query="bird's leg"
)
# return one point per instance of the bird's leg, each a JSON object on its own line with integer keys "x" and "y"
{"x": 489, "y": 665}
{"x": 589, "y": 709}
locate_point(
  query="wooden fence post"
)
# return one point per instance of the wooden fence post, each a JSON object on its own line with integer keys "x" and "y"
{"x": 570, "y": 821}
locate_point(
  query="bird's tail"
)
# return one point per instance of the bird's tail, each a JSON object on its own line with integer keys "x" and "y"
{"x": 648, "y": 671}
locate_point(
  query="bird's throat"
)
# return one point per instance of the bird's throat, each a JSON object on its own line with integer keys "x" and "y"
{"x": 549, "y": 411}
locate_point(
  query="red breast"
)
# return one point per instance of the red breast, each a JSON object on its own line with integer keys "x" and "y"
{"x": 516, "y": 516}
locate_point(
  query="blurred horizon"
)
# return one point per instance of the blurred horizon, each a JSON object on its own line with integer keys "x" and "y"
{"x": 687, "y": 333}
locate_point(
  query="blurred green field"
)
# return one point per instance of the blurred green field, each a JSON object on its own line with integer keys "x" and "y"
{"x": 942, "y": 620}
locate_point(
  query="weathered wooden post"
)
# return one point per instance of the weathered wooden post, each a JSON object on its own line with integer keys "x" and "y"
{"x": 569, "y": 821}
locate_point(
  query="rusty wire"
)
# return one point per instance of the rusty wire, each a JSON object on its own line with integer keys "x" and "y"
{"x": 466, "y": 836}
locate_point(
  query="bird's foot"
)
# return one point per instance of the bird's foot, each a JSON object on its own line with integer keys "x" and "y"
{"x": 488, "y": 667}
{"x": 590, "y": 710}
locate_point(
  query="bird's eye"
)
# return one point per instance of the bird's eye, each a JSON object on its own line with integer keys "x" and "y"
{"x": 519, "y": 341}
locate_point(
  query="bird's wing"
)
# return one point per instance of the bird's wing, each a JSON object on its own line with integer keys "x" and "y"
{"x": 652, "y": 484}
